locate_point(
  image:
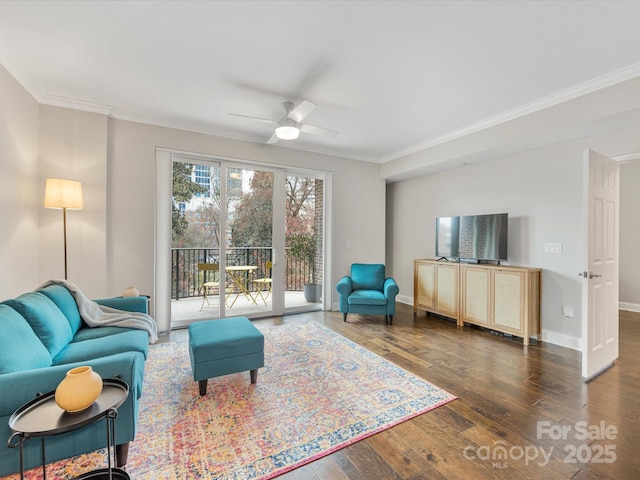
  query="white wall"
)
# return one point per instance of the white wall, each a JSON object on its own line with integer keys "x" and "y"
{"x": 73, "y": 145}
{"x": 542, "y": 192}
{"x": 542, "y": 208}
{"x": 111, "y": 241}
{"x": 358, "y": 198}
{"x": 20, "y": 198}
{"x": 630, "y": 236}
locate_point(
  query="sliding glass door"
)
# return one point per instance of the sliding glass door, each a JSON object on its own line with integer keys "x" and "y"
{"x": 304, "y": 233}
{"x": 246, "y": 240}
{"x": 197, "y": 281}
{"x": 249, "y": 240}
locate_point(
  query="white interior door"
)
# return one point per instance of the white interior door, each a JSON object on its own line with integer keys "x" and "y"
{"x": 600, "y": 288}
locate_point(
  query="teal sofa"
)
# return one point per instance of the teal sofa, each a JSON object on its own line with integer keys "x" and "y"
{"x": 42, "y": 336}
{"x": 368, "y": 291}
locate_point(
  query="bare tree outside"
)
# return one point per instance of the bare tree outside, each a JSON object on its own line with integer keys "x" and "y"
{"x": 197, "y": 223}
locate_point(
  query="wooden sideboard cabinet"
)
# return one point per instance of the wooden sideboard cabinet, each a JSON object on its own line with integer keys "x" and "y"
{"x": 502, "y": 298}
{"x": 436, "y": 287}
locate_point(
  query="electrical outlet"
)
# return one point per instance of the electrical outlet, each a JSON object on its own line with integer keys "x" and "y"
{"x": 567, "y": 311}
{"x": 552, "y": 248}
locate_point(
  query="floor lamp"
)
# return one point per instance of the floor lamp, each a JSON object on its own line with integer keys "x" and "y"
{"x": 64, "y": 194}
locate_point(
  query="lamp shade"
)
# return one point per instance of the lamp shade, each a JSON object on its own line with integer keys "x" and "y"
{"x": 287, "y": 132}
{"x": 59, "y": 193}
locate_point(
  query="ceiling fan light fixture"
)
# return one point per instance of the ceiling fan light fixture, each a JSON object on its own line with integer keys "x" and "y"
{"x": 287, "y": 132}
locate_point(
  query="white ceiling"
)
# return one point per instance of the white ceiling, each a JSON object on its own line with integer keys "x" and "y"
{"x": 392, "y": 77}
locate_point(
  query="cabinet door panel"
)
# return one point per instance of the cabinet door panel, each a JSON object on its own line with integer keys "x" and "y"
{"x": 426, "y": 285}
{"x": 447, "y": 290}
{"x": 475, "y": 287}
{"x": 508, "y": 310}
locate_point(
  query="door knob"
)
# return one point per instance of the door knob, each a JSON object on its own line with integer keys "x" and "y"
{"x": 588, "y": 275}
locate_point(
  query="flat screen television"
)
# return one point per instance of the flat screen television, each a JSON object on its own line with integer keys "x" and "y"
{"x": 473, "y": 237}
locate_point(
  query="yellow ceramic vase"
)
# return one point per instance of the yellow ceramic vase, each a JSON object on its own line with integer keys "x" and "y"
{"x": 79, "y": 389}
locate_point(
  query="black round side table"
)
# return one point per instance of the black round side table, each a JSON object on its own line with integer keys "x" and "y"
{"x": 41, "y": 417}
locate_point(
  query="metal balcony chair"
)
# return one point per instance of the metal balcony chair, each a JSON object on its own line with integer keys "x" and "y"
{"x": 264, "y": 283}
{"x": 214, "y": 283}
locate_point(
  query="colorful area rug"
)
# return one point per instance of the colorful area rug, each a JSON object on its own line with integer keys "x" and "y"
{"x": 318, "y": 392}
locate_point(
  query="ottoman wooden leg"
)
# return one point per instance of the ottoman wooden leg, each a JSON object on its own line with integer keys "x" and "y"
{"x": 254, "y": 375}
{"x": 203, "y": 387}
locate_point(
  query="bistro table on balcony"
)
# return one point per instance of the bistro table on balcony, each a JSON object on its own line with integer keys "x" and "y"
{"x": 239, "y": 275}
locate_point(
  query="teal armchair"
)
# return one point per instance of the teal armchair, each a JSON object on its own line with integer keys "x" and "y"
{"x": 368, "y": 291}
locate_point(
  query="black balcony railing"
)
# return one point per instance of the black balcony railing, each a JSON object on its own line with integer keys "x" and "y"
{"x": 187, "y": 280}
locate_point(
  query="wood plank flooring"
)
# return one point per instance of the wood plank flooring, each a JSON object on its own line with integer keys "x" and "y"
{"x": 514, "y": 402}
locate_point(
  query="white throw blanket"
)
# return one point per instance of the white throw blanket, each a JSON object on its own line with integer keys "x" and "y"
{"x": 96, "y": 315}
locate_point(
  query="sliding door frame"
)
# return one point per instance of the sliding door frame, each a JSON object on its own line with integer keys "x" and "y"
{"x": 162, "y": 239}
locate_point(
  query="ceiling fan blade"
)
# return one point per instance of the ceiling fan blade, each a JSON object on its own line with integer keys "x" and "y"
{"x": 306, "y": 128}
{"x": 303, "y": 109}
{"x": 264, "y": 120}
{"x": 273, "y": 139}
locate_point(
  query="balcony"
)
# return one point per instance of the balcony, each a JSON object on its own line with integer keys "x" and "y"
{"x": 241, "y": 294}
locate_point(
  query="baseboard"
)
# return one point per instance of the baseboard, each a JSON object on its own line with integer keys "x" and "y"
{"x": 559, "y": 339}
{"x": 629, "y": 307}
{"x": 405, "y": 299}
{"x": 562, "y": 340}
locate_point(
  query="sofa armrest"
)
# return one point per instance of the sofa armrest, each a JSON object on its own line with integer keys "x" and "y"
{"x": 129, "y": 304}
{"x": 18, "y": 388}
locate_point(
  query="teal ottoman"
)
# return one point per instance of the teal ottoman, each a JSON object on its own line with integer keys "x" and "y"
{"x": 221, "y": 347}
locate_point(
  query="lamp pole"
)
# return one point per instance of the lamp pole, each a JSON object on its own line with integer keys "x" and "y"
{"x": 64, "y": 226}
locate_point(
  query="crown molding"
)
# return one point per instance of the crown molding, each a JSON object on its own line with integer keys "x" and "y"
{"x": 77, "y": 104}
{"x": 618, "y": 76}
{"x": 193, "y": 127}
{"x": 627, "y": 158}
{"x": 27, "y": 81}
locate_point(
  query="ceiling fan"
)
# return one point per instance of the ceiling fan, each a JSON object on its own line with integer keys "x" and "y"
{"x": 290, "y": 126}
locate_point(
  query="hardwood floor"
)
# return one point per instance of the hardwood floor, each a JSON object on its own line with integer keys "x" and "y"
{"x": 527, "y": 403}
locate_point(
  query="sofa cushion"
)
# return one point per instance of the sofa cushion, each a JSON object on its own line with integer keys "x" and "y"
{"x": 27, "y": 353}
{"x": 367, "y": 276}
{"x": 66, "y": 303}
{"x": 125, "y": 341}
{"x": 45, "y": 318}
